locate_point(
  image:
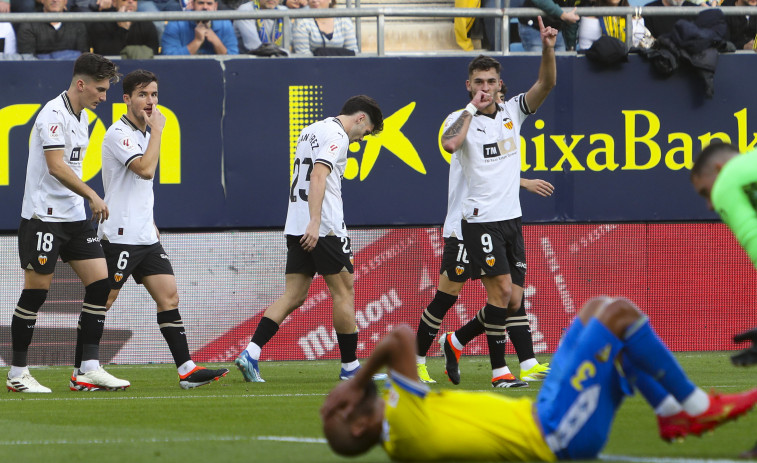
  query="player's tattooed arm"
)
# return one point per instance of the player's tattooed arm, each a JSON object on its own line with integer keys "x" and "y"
{"x": 454, "y": 136}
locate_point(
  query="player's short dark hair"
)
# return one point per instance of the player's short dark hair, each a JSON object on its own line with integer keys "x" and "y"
{"x": 711, "y": 151}
{"x": 367, "y": 105}
{"x": 96, "y": 67}
{"x": 482, "y": 63}
{"x": 138, "y": 79}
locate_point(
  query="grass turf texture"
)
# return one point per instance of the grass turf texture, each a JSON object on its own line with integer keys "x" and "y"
{"x": 234, "y": 421}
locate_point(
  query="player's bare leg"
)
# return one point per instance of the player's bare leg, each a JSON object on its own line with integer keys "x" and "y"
{"x": 296, "y": 287}
{"x": 341, "y": 287}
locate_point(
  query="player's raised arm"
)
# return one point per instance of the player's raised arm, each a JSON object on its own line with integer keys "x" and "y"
{"x": 547, "y": 70}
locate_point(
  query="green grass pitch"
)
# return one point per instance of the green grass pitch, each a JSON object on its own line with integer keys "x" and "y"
{"x": 233, "y": 421}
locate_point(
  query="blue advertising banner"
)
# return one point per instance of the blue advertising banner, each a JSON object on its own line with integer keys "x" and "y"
{"x": 616, "y": 143}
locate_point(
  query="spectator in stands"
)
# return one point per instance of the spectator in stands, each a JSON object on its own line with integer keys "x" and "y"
{"x": 254, "y": 32}
{"x": 324, "y": 36}
{"x": 294, "y": 4}
{"x": 162, "y": 5}
{"x": 83, "y": 6}
{"x": 591, "y": 28}
{"x": 659, "y": 25}
{"x": 463, "y": 26}
{"x": 7, "y": 41}
{"x": 203, "y": 37}
{"x": 566, "y": 23}
{"x": 55, "y": 40}
{"x": 742, "y": 29}
{"x": 20, "y": 6}
{"x": 110, "y": 38}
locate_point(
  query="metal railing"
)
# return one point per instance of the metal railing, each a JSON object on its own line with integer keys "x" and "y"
{"x": 380, "y": 13}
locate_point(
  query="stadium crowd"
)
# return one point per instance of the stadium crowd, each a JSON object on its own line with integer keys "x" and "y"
{"x": 328, "y": 36}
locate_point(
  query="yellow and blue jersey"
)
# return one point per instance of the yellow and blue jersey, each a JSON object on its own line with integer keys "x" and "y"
{"x": 458, "y": 425}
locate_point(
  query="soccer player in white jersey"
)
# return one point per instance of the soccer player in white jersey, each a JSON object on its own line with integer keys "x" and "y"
{"x": 486, "y": 138}
{"x": 129, "y": 238}
{"x": 455, "y": 271}
{"x": 316, "y": 236}
{"x": 54, "y": 223}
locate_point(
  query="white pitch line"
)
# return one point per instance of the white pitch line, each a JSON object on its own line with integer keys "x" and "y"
{"x": 631, "y": 459}
{"x": 155, "y": 440}
{"x": 179, "y": 397}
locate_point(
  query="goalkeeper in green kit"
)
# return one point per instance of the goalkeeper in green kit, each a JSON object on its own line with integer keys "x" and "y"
{"x": 727, "y": 180}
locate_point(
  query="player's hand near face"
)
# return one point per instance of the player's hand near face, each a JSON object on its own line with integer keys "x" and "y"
{"x": 548, "y": 34}
{"x": 156, "y": 120}
{"x": 481, "y": 100}
{"x": 99, "y": 209}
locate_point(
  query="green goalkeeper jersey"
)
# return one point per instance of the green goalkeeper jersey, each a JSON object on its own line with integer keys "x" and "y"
{"x": 734, "y": 197}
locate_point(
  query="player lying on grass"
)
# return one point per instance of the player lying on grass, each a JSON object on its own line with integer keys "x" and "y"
{"x": 608, "y": 348}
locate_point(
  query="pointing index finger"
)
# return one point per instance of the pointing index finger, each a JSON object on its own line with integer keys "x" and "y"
{"x": 541, "y": 24}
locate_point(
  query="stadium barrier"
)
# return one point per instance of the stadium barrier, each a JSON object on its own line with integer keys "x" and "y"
{"x": 379, "y": 13}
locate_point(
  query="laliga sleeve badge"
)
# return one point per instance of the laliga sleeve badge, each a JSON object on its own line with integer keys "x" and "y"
{"x": 127, "y": 144}
{"x": 54, "y": 130}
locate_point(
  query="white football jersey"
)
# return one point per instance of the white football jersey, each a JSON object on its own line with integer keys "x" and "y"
{"x": 490, "y": 161}
{"x": 129, "y": 197}
{"x": 56, "y": 127}
{"x": 456, "y": 191}
{"x": 325, "y": 142}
